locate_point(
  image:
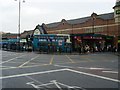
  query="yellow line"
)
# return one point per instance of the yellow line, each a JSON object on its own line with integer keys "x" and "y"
{"x": 70, "y": 59}
{"x": 51, "y": 60}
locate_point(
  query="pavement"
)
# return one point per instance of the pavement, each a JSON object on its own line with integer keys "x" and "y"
{"x": 23, "y": 70}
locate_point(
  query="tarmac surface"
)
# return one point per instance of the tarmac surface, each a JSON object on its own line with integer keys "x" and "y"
{"x": 47, "y": 71}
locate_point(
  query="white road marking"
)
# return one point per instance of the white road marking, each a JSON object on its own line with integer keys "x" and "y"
{"x": 58, "y": 70}
{"x": 69, "y": 58}
{"x": 53, "y": 82}
{"x": 10, "y": 55}
{"x": 91, "y": 68}
{"x": 28, "y": 74}
{"x": 93, "y": 75}
{"x": 29, "y": 61}
{"x": 12, "y": 59}
{"x": 45, "y": 84}
{"x": 110, "y": 72}
{"x": 84, "y": 67}
{"x": 63, "y": 66}
{"x": 32, "y": 84}
{"x": 7, "y": 67}
{"x": 56, "y": 84}
{"x": 34, "y": 80}
{"x": 25, "y": 66}
{"x": 94, "y": 68}
{"x": 70, "y": 86}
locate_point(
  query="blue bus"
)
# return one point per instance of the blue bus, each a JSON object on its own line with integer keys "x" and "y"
{"x": 52, "y": 43}
{"x": 9, "y": 44}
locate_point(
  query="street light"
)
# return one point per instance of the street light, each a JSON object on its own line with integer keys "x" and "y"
{"x": 19, "y": 23}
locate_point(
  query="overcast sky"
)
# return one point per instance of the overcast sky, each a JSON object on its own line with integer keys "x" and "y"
{"x": 34, "y": 12}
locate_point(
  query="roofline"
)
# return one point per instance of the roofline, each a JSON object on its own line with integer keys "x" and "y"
{"x": 77, "y": 18}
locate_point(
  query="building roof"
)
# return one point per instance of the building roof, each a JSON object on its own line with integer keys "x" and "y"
{"x": 106, "y": 16}
{"x": 79, "y": 20}
{"x": 25, "y": 33}
{"x": 9, "y": 35}
{"x": 53, "y": 24}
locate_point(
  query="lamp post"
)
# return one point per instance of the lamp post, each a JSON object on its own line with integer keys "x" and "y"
{"x": 19, "y": 23}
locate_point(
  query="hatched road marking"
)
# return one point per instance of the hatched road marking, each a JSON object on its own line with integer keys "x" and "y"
{"x": 12, "y": 59}
{"x": 28, "y": 61}
{"x": 26, "y": 66}
{"x": 69, "y": 58}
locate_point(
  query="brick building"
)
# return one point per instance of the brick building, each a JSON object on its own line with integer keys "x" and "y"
{"x": 104, "y": 24}
{"x": 99, "y": 24}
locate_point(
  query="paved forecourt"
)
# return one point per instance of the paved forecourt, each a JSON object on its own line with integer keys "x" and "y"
{"x": 32, "y": 70}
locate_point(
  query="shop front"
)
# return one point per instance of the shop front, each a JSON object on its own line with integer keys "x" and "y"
{"x": 93, "y": 42}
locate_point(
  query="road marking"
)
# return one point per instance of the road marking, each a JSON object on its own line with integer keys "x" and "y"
{"x": 10, "y": 55}
{"x": 35, "y": 73}
{"x": 32, "y": 83}
{"x": 70, "y": 59}
{"x": 63, "y": 66}
{"x": 51, "y": 60}
{"x": 93, "y": 75}
{"x": 34, "y": 65}
{"x": 91, "y": 68}
{"x": 25, "y": 66}
{"x": 23, "y": 62}
{"x": 11, "y": 59}
{"x": 28, "y": 61}
{"x": 38, "y": 86}
{"x": 15, "y": 62}
{"x": 110, "y": 72}
{"x": 1, "y": 67}
{"x": 71, "y": 62}
{"x": 56, "y": 84}
{"x": 53, "y": 82}
{"x": 70, "y": 86}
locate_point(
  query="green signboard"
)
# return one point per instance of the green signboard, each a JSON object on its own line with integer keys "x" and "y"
{"x": 117, "y": 11}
